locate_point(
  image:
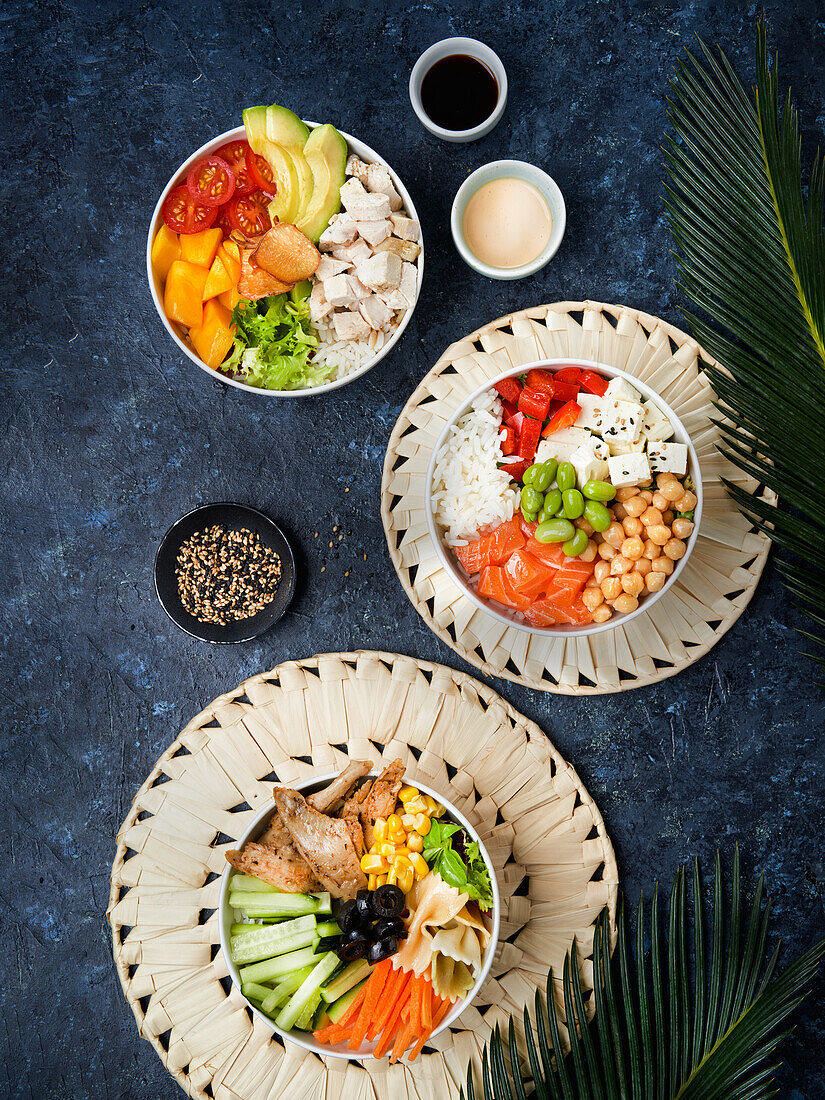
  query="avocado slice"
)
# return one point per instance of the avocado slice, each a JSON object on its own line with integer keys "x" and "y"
{"x": 283, "y": 127}
{"x": 285, "y": 155}
{"x": 326, "y": 154}
{"x": 254, "y": 119}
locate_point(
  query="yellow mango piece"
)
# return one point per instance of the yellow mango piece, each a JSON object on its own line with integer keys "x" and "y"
{"x": 219, "y": 279}
{"x": 233, "y": 254}
{"x": 230, "y": 298}
{"x": 183, "y": 294}
{"x": 213, "y": 339}
{"x": 200, "y": 248}
{"x": 165, "y": 250}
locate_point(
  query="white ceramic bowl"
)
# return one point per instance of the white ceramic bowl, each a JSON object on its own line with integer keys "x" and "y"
{"x": 305, "y": 1039}
{"x": 518, "y": 169}
{"x": 447, "y": 47}
{"x": 177, "y": 333}
{"x": 510, "y": 618}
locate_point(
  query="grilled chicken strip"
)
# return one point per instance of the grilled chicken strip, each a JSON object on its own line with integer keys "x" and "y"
{"x": 270, "y": 866}
{"x": 380, "y": 802}
{"x": 351, "y": 815}
{"x": 329, "y": 799}
{"x": 324, "y": 842}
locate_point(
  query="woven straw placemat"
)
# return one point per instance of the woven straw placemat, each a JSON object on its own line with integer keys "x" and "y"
{"x": 718, "y": 580}
{"x": 554, "y": 862}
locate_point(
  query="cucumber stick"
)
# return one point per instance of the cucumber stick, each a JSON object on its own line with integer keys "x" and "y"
{"x": 304, "y": 1021}
{"x": 239, "y": 929}
{"x": 256, "y": 904}
{"x": 283, "y": 990}
{"x": 273, "y": 939}
{"x": 254, "y": 992}
{"x": 343, "y": 982}
{"x": 336, "y": 1011}
{"x": 248, "y": 882}
{"x": 269, "y": 969}
{"x": 328, "y": 928}
{"x": 324, "y": 902}
{"x": 296, "y": 1004}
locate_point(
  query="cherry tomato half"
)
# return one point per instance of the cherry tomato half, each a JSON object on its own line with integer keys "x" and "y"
{"x": 261, "y": 172}
{"x": 248, "y": 214}
{"x": 211, "y": 181}
{"x": 234, "y": 153}
{"x": 183, "y": 214}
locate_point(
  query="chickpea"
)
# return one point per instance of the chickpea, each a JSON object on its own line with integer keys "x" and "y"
{"x": 611, "y": 588}
{"x": 658, "y": 533}
{"x": 635, "y": 506}
{"x": 614, "y": 535}
{"x": 590, "y": 551}
{"x": 655, "y": 582}
{"x": 633, "y": 583}
{"x": 626, "y": 492}
{"x": 662, "y": 565}
{"x": 619, "y": 511}
{"x": 602, "y": 614}
{"x": 619, "y": 565}
{"x": 625, "y": 603}
{"x": 651, "y": 517}
{"x": 583, "y": 525}
{"x": 686, "y": 503}
{"x": 668, "y": 517}
{"x": 665, "y": 479}
{"x": 647, "y": 495}
{"x": 633, "y": 548}
{"x": 652, "y": 551}
{"x": 646, "y": 484}
{"x": 672, "y": 491}
{"x": 643, "y": 566}
{"x": 591, "y": 581}
{"x": 674, "y": 549}
{"x": 607, "y": 552}
{"x": 682, "y": 528}
{"x": 592, "y": 597}
{"x": 601, "y": 571}
{"x": 659, "y": 501}
{"x": 632, "y": 527}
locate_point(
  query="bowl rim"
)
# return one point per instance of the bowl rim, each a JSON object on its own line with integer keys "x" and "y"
{"x": 298, "y": 1038}
{"x": 530, "y": 173}
{"x": 446, "y": 47}
{"x": 571, "y": 631}
{"x": 359, "y": 149}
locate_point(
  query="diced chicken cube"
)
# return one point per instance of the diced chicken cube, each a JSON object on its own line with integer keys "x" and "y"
{"x": 380, "y": 272}
{"x": 375, "y": 177}
{"x": 352, "y": 189}
{"x": 319, "y": 307}
{"x": 341, "y": 230}
{"x": 393, "y": 299}
{"x": 350, "y": 326}
{"x": 375, "y": 232}
{"x": 409, "y": 283}
{"x": 338, "y": 291}
{"x": 363, "y": 205}
{"x": 375, "y": 312}
{"x": 406, "y": 228}
{"x": 328, "y": 267}
{"x": 352, "y": 253}
{"x": 407, "y": 250}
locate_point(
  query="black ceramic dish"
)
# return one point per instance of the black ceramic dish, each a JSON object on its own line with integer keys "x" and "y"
{"x": 235, "y": 517}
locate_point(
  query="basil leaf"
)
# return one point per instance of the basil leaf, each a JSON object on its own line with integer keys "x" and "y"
{"x": 452, "y": 869}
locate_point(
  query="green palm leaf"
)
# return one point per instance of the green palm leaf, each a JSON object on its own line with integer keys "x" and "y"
{"x": 751, "y": 257}
{"x": 699, "y": 1020}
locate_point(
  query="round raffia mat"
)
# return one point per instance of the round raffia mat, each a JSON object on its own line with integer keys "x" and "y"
{"x": 554, "y": 861}
{"x": 712, "y": 591}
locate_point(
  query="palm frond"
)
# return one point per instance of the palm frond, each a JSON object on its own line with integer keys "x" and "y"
{"x": 696, "y": 1020}
{"x": 750, "y": 254}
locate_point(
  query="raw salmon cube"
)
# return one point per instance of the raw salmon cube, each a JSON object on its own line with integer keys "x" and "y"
{"x": 527, "y": 574}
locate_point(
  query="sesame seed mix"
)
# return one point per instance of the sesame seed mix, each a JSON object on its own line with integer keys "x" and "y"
{"x": 224, "y": 575}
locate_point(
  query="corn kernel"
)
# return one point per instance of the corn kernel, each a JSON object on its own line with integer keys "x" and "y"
{"x": 416, "y": 805}
{"x": 408, "y": 821}
{"x": 372, "y": 882}
{"x": 419, "y": 865}
{"x": 406, "y": 793}
{"x": 387, "y": 849}
{"x": 415, "y": 842}
{"x": 431, "y": 804}
{"x": 424, "y": 827}
{"x": 373, "y": 865}
{"x": 439, "y": 810}
{"x": 401, "y": 863}
{"x": 405, "y": 880}
{"x": 379, "y": 829}
{"x": 391, "y": 878}
{"x": 395, "y": 829}
{"x": 381, "y": 880}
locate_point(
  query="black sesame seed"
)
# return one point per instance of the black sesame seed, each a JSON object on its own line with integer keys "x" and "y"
{"x": 226, "y": 575}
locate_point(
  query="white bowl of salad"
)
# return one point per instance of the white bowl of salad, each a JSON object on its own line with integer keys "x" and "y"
{"x": 564, "y": 497}
{"x": 353, "y": 963}
{"x": 324, "y": 306}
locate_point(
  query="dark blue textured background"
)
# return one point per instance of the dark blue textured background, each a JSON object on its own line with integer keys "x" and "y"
{"x": 108, "y": 435}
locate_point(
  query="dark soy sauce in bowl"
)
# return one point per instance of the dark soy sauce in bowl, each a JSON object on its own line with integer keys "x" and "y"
{"x": 459, "y": 92}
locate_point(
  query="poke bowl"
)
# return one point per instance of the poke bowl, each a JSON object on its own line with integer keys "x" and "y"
{"x": 564, "y": 497}
{"x": 368, "y": 963}
{"x": 360, "y": 242}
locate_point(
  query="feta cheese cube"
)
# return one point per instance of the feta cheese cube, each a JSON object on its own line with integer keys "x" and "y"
{"x": 630, "y": 469}
{"x": 620, "y": 390}
{"x": 591, "y": 414}
{"x": 561, "y": 445}
{"x": 588, "y": 466}
{"x": 600, "y": 448}
{"x": 667, "y": 458}
{"x": 622, "y": 421}
{"x": 619, "y": 448}
{"x": 656, "y": 425}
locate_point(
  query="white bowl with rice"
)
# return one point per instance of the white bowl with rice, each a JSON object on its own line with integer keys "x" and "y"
{"x": 353, "y": 358}
{"x": 465, "y": 488}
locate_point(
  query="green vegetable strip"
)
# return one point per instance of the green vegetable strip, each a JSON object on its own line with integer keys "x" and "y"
{"x": 328, "y": 928}
{"x": 240, "y": 882}
{"x": 254, "y": 992}
{"x": 284, "y": 990}
{"x": 274, "y": 905}
{"x": 269, "y": 969}
{"x": 289, "y": 1014}
{"x": 273, "y": 939}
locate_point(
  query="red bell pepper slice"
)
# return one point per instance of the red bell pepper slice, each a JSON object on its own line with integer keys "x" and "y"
{"x": 540, "y": 379}
{"x": 593, "y": 383}
{"x": 507, "y": 435}
{"x": 569, "y": 374}
{"x": 508, "y": 411}
{"x": 565, "y": 391}
{"x": 534, "y": 403}
{"x": 516, "y": 469}
{"x": 529, "y": 438}
{"x": 565, "y": 418}
{"x": 509, "y": 388}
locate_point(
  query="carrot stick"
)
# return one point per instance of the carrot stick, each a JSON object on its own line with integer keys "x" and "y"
{"x": 415, "y": 1005}
{"x": 335, "y": 1033}
{"x": 369, "y": 1005}
{"x": 427, "y": 1005}
{"x": 392, "y": 995}
{"x": 402, "y": 1041}
{"x": 393, "y": 1020}
{"x": 352, "y": 1011}
{"x": 439, "y": 1015}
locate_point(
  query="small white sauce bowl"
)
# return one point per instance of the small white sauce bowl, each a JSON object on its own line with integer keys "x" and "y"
{"x": 509, "y": 169}
{"x": 306, "y": 1039}
{"x": 449, "y": 47}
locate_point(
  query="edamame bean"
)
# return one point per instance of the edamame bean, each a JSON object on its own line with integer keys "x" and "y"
{"x": 544, "y": 515}
{"x": 573, "y": 503}
{"x": 530, "y": 517}
{"x": 552, "y": 502}
{"x": 555, "y": 530}
{"x": 599, "y": 490}
{"x": 566, "y": 476}
{"x": 532, "y": 500}
{"x": 546, "y": 473}
{"x": 529, "y": 474}
{"x": 577, "y": 545}
{"x": 597, "y": 515}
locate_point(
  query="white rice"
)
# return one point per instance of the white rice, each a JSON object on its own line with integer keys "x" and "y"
{"x": 348, "y": 355}
{"x": 470, "y": 492}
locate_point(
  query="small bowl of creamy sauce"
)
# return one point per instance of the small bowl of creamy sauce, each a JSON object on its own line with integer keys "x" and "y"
{"x": 508, "y": 219}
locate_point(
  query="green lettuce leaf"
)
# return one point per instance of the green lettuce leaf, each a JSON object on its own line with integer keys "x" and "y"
{"x": 468, "y": 874}
{"x": 273, "y": 345}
